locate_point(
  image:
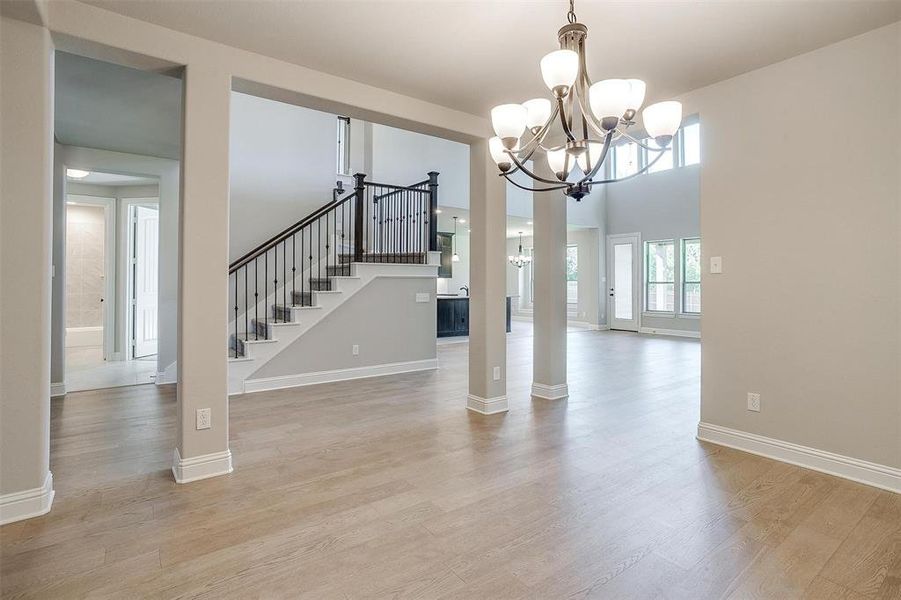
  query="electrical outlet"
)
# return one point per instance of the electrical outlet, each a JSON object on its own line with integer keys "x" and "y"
{"x": 497, "y": 373}
{"x": 356, "y": 350}
{"x": 204, "y": 419}
{"x": 753, "y": 401}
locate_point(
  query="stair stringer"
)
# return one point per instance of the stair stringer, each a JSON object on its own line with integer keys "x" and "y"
{"x": 304, "y": 318}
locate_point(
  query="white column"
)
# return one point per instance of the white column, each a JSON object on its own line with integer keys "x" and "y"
{"x": 203, "y": 277}
{"x": 26, "y": 212}
{"x": 549, "y": 301}
{"x": 488, "y": 283}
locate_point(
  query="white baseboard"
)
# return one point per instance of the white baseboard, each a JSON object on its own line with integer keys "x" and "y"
{"x": 205, "y": 466}
{"x": 77, "y": 337}
{"x": 169, "y": 375}
{"x": 57, "y": 389}
{"x": 486, "y": 406}
{"x": 673, "y": 332}
{"x": 861, "y": 471}
{"x": 550, "y": 392}
{"x": 30, "y": 503}
{"x": 301, "y": 379}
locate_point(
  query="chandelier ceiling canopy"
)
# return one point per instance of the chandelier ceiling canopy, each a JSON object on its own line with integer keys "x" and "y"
{"x": 592, "y": 116}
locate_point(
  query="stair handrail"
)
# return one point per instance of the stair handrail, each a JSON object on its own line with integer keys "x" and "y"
{"x": 286, "y": 233}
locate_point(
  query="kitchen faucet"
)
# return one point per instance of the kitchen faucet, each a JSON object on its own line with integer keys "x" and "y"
{"x": 465, "y": 287}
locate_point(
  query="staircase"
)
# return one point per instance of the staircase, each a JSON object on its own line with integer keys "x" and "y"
{"x": 288, "y": 284}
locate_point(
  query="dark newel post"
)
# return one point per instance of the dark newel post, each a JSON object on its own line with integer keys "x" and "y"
{"x": 359, "y": 191}
{"x": 433, "y": 211}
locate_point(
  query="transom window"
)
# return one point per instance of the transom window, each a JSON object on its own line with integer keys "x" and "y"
{"x": 629, "y": 158}
{"x": 343, "y": 146}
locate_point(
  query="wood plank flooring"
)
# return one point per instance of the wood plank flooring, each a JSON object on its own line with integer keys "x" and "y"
{"x": 388, "y": 487}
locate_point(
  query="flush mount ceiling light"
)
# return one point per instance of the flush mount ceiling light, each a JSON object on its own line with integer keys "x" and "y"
{"x": 77, "y": 173}
{"x": 592, "y": 116}
{"x": 520, "y": 260}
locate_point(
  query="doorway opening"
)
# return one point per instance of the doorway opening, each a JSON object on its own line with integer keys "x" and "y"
{"x": 111, "y": 275}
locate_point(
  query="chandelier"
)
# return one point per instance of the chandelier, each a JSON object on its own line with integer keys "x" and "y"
{"x": 520, "y": 260}
{"x": 592, "y": 116}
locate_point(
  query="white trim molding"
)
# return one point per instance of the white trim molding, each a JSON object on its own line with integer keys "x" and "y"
{"x": 486, "y": 406}
{"x": 168, "y": 375}
{"x": 57, "y": 389}
{"x": 672, "y": 332}
{"x": 186, "y": 470}
{"x": 550, "y": 392}
{"x": 27, "y": 504}
{"x": 861, "y": 471}
{"x": 288, "y": 381}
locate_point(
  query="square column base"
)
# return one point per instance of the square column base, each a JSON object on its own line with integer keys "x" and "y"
{"x": 486, "y": 406}
{"x": 186, "y": 470}
{"x": 550, "y": 392}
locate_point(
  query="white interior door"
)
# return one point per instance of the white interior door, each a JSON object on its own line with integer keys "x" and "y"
{"x": 145, "y": 255}
{"x": 623, "y": 281}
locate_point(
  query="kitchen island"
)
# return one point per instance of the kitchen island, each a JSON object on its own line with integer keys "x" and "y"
{"x": 453, "y": 315}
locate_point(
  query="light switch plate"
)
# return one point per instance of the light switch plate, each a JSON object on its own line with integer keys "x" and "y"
{"x": 204, "y": 418}
{"x": 422, "y": 296}
{"x": 355, "y": 350}
{"x": 716, "y": 264}
{"x": 497, "y": 373}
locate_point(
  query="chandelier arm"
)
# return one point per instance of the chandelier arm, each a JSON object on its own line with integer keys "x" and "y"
{"x": 522, "y": 187}
{"x": 640, "y": 143}
{"x": 590, "y": 119}
{"x": 537, "y": 139}
{"x": 600, "y": 161}
{"x": 628, "y": 177}
{"x": 522, "y": 167}
{"x": 566, "y": 129}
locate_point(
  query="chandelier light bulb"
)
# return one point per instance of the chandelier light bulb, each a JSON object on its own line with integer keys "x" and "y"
{"x": 509, "y": 122}
{"x": 609, "y": 100}
{"x": 637, "y": 89}
{"x": 556, "y": 160}
{"x": 501, "y": 158}
{"x": 538, "y": 111}
{"x": 559, "y": 70}
{"x": 662, "y": 120}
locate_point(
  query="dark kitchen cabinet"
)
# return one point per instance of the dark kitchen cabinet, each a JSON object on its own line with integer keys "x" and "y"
{"x": 453, "y": 316}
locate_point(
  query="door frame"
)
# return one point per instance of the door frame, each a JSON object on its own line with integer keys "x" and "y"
{"x": 109, "y": 267}
{"x": 126, "y": 237}
{"x": 637, "y": 291}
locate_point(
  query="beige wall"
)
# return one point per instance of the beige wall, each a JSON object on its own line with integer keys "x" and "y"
{"x": 800, "y": 196}
{"x": 26, "y": 195}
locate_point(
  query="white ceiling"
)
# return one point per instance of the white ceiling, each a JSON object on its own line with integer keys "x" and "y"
{"x": 110, "y": 107}
{"x": 471, "y": 55}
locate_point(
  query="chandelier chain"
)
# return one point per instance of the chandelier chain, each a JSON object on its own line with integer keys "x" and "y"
{"x": 571, "y": 15}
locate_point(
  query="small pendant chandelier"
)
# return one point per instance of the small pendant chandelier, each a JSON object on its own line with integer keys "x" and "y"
{"x": 604, "y": 110}
{"x": 455, "y": 257}
{"x": 520, "y": 260}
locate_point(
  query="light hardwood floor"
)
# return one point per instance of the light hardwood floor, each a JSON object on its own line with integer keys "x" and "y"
{"x": 389, "y": 488}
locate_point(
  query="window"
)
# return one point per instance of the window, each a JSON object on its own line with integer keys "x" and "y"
{"x": 344, "y": 146}
{"x": 660, "y": 270}
{"x": 625, "y": 160}
{"x": 691, "y": 276}
{"x": 664, "y": 163}
{"x": 691, "y": 144}
{"x": 572, "y": 274}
